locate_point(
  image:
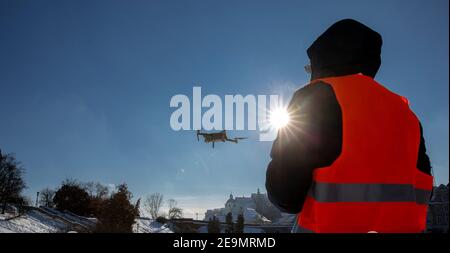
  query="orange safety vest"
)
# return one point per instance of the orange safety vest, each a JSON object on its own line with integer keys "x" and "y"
{"x": 374, "y": 185}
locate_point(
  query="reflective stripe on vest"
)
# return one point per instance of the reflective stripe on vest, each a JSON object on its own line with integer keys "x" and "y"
{"x": 330, "y": 192}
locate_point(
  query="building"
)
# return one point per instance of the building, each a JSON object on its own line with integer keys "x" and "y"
{"x": 437, "y": 218}
{"x": 256, "y": 209}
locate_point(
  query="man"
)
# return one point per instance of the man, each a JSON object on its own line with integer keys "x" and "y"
{"x": 353, "y": 158}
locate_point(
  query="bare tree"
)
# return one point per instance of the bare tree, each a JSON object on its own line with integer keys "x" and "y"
{"x": 90, "y": 188}
{"x": 101, "y": 191}
{"x": 153, "y": 204}
{"x": 96, "y": 190}
{"x": 175, "y": 212}
{"x": 11, "y": 181}
{"x": 46, "y": 197}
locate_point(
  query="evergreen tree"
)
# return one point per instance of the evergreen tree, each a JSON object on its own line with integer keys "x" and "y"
{"x": 117, "y": 215}
{"x": 239, "y": 226}
{"x": 229, "y": 222}
{"x": 71, "y": 196}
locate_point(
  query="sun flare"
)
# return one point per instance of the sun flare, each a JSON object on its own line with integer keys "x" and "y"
{"x": 279, "y": 118}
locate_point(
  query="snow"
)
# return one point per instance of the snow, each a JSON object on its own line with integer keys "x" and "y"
{"x": 48, "y": 220}
{"x": 71, "y": 218}
{"x": 31, "y": 222}
{"x": 252, "y": 216}
{"x": 145, "y": 225}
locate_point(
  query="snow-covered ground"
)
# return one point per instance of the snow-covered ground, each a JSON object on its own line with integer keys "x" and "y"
{"x": 31, "y": 222}
{"x": 144, "y": 225}
{"x": 47, "y": 220}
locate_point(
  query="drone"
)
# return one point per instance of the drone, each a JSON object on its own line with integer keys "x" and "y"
{"x": 217, "y": 137}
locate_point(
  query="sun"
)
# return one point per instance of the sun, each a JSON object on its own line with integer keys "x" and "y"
{"x": 279, "y": 118}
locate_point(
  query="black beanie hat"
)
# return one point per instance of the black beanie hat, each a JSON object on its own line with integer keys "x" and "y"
{"x": 346, "y": 47}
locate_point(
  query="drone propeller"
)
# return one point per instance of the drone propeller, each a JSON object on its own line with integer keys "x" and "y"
{"x": 236, "y": 139}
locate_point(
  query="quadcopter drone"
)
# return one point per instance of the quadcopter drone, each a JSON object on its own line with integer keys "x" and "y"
{"x": 217, "y": 137}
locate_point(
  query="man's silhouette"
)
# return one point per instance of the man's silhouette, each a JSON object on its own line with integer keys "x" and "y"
{"x": 353, "y": 158}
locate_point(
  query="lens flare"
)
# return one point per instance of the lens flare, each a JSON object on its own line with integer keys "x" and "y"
{"x": 279, "y": 118}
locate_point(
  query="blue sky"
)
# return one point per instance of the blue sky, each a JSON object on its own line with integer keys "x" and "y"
{"x": 86, "y": 85}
